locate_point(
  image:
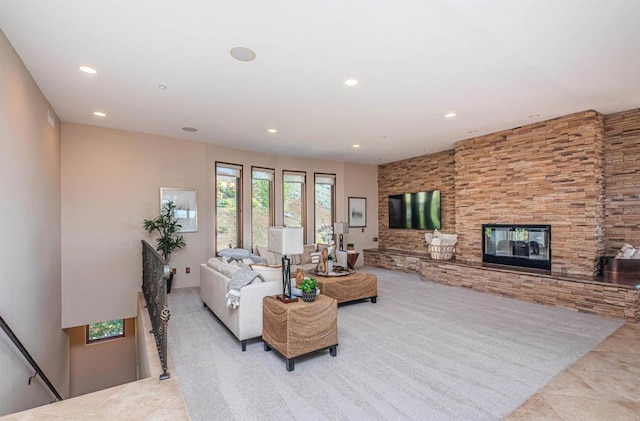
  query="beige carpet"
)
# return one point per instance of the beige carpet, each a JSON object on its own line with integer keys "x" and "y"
{"x": 423, "y": 352}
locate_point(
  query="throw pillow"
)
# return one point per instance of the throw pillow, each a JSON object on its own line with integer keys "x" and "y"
{"x": 306, "y": 253}
{"x": 215, "y": 264}
{"x": 269, "y": 273}
{"x": 271, "y": 258}
{"x": 295, "y": 259}
{"x": 236, "y": 253}
{"x": 315, "y": 257}
{"x": 230, "y": 269}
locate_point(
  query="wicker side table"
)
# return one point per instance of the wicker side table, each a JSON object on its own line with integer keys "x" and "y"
{"x": 299, "y": 328}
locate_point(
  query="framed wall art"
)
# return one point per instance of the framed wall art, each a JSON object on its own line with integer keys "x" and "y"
{"x": 186, "y": 201}
{"x": 357, "y": 212}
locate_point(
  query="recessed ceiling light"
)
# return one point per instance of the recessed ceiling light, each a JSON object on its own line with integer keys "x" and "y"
{"x": 272, "y": 130}
{"x": 356, "y": 146}
{"x": 534, "y": 116}
{"x": 450, "y": 115}
{"x": 162, "y": 87}
{"x": 351, "y": 82}
{"x": 88, "y": 69}
{"x": 473, "y": 131}
{"x": 242, "y": 54}
{"x": 99, "y": 114}
{"x": 189, "y": 129}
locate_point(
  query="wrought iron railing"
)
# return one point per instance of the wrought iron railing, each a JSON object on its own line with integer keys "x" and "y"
{"x": 155, "y": 272}
{"x": 28, "y": 357}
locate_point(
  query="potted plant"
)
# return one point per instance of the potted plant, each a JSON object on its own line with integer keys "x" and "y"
{"x": 308, "y": 288}
{"x": 168, "y": 227}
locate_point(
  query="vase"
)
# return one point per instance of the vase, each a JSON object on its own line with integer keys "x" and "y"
{"x": 309, "y": 297}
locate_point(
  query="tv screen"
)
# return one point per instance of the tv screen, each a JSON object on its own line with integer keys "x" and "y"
{"x": 420, "y": 211}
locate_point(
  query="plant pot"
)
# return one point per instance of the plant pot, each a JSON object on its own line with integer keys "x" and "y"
{"x": 309, "y": 297}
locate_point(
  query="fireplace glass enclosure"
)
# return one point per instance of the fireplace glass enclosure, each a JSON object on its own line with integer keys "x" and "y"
{"x": 526, "y": 246}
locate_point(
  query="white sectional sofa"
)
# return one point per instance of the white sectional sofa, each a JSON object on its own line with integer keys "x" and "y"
{"x": 245, "y": 321}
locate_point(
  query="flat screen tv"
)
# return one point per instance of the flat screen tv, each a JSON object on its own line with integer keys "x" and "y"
{"x": 420, "y": 211}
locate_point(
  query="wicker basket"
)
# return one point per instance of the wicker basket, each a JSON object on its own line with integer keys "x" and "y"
{"x": 441, "y": 252}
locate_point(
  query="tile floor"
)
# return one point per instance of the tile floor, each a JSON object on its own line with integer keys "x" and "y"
{"x": 603, "y": 385}
{"x": 149, "y": 399}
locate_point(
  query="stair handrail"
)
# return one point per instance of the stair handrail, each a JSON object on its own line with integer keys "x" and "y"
{"x": 155, "y": 272}
{"x": 29, "y": 358}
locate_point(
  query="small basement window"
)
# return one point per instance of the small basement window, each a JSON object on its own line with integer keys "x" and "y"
{"x": 104, "y": 331}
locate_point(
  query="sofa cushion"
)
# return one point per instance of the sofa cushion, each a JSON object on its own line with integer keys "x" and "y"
{"x": 240, "y": 254}
{"x": 272, "y": 258}
{"x": 269, "y": 273}
{"x": 229, "y": 269}
{"x": 235, "y": 253}
{"x": 215, "y": 263}
{"x": 306, "y": 253}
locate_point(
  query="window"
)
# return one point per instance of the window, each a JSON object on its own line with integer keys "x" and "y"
{"x": 324, "y": 205}
{"x": 228, "y": 206}
{"x": 102, "y": 331}
{"x": 262, "y": 215}
{"x": 293, "y": 198}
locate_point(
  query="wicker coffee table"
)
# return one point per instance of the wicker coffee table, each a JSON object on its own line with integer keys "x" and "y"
{"x": 355, "y": 286}
{"x": 299, "y": 328}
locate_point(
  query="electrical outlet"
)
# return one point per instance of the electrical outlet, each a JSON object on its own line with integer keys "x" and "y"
{"x": 174, "y": 270}
{"x": 375, "y": 239}
{"x": 187, "y": 270}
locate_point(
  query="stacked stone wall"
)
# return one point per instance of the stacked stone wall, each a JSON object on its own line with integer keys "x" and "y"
{"x": 622, "y": 180}
{"x": 600, "y": 298}
{"x": 545, "y": 173}
{"x": 573, "y": 293}
{"x": 422, "y": 173}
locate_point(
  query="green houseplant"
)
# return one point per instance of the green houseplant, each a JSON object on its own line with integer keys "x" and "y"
{"x": 168, "y": 227}
{"x": 308, "y": 288}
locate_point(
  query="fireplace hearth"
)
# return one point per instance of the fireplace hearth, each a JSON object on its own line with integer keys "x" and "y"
{"x": 519, "y": 246}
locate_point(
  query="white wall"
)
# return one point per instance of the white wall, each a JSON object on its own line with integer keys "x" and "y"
{"x": 110, "y": 184}
{"x": 101, "y": 364}
{"x": 30, "y": 280}
{"x": 358, "y": 184}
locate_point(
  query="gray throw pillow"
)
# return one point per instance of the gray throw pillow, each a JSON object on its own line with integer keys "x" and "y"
{"x": 239, "y": 254}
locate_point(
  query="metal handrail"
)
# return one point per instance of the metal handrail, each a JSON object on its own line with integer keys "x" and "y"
{"x": 155, "y": 272}
{"x": 28, "y": 357}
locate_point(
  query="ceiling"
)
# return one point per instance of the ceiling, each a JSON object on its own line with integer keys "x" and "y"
{"x": 497, "y": 64}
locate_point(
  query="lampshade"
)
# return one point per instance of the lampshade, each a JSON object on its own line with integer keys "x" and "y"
{"x": 285, "y": 240}
{"x": 341, "y": 228}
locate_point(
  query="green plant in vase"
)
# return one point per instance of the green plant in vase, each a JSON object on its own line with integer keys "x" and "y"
{"x": 168, "y": 228}
{"x": 308, "y": 288}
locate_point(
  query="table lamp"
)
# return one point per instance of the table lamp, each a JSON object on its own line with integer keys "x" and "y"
{"x": 341, "y": 228}
{"x": 285, "y": 241}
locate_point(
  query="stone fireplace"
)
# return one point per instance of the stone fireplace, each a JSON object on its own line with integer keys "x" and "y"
{"x": 522, "y": 246}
